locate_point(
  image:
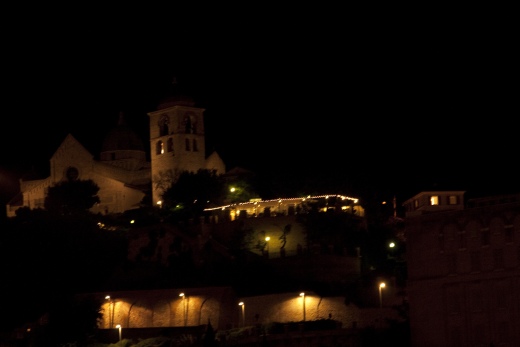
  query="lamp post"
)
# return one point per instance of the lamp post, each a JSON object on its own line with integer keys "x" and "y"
{"x": 303, "y": 304}
{"x": 391, "y": 246}
{"x": 110, "y": 311}
{"x": 183, "y": 307}
{"x": 267, "y": 238}
{"x": 119, "y": 327}
{"x": 381, "y": 286}
{"x": 241, "y": 303}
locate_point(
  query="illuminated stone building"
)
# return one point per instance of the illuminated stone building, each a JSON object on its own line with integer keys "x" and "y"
{"x": 463, "y": 269}
{"x": 122, "y": 171}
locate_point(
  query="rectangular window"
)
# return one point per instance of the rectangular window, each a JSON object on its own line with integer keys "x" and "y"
{"x": 498, "y": 258}
{"x": 462, "y": 240}
{"x": 475, "y": 297}
{"x": 452, "y": 200}
{"x": 455, "y": 337}
{"x": 475, "y": 261}
{"x": 479, "y": 335}
{"x": 441, "y": 242}
{"x": 485, "y": 236}
{"x": 508, "y": 233}
{"x": 453, "y": 300}
{"x": 503, "y": 332}
{"x": 434, "y": 200}
{"x": 452, "y": 264}
{"x": 501, "y": 292}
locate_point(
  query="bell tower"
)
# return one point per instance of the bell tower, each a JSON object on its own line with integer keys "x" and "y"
{"x": 177, "y": 141}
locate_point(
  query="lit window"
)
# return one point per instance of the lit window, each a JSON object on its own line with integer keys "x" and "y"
{"x": 452, "y": 200}
{"x": 434, "y": 200}
{"x": 159, "y": 147}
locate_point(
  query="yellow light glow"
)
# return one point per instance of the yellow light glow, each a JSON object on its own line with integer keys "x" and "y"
{"x": 382, "y": 285}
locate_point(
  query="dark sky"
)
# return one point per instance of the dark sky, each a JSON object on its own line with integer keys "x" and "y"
{"x": 397, "y": 106}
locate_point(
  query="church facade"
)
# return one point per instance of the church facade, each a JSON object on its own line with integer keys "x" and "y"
{"x": 122, "y": 172}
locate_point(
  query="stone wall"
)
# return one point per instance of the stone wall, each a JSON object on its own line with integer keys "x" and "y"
{"x": 220, "y": 306}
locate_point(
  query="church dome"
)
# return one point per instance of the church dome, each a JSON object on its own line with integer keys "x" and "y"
{"x": 122, "y": 143}
{"x": 122, "y": 138}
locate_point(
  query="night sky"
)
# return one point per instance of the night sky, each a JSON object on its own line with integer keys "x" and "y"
{"x": 393, "y": 106}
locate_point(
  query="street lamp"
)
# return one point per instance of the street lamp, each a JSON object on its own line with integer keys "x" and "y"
{"x": 381, "y": 286}
{"x": 119, "y": 327}
{"x": 303, "y": 300}
{"x": 183, "y": 307}
{"x": 110, "y": 310}
{"x": 241, "y": 303}
{"x": 267, "y": 238}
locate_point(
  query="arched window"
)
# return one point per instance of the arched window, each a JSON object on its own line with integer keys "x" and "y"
{"x": 190, "y": 123}
{"x": 169, "y": 145}
{"x": 72, "y": 173}
{"x": 187, "y": 125}
{"x": 163, "y": 125}
{"x": 159, "y": 148}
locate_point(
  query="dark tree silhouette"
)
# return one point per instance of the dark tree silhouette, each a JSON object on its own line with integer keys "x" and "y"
{"x": 192, "y": 193}
{"x": 69, "y": 197}
{"x": 209, "y": 339}
{"x": 45, "y": 258}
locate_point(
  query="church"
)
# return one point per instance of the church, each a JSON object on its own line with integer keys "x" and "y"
{"x": 122, "y": 171}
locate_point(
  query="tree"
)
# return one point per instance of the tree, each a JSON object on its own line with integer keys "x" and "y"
{"x": 71, "y": 197}
{"x": 71, "y": 319}
{"x": 46, "y": 258}
{"x": 240, "y": 190}
{"x": 193, "y": 192}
